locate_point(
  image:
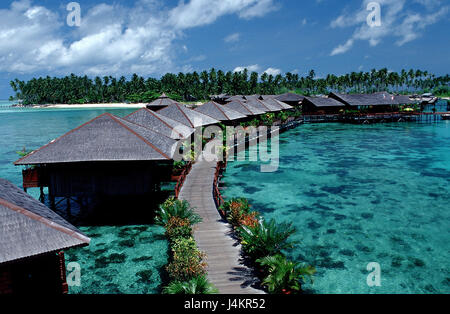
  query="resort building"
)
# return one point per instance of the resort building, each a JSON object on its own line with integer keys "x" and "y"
{"x": 163, "y": 101}
{"x": 32, "y": 241}
{"x": 276, "y": 103}
{"x": 103, "y": 158}
{"x": 263, "y": 105}
{"x": 244, "y": 108}
{"x": 160, "y": 123}
{"x": 321, "y": 105}
{"x": 221, "y": 113}
{"x": 290, "y": 98}
{"x": 378, "y": 102}
{"x": 186, "y": 116}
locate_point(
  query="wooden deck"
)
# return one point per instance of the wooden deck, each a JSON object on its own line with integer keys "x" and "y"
{"x": 214, "y": 236}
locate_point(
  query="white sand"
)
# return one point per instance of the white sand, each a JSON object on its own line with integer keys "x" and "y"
{"x": 116, "y": 105}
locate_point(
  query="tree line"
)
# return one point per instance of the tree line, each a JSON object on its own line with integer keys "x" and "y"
{"x": 195, "y": 86}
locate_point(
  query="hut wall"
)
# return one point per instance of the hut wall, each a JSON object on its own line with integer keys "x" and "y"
{"x": 105, "y": 179}
{"x": 5, "y": 281}
{"x": 40, "y": 274}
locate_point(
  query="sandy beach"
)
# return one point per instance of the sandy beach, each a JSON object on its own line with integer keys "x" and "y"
{"x": 111, "y": 105}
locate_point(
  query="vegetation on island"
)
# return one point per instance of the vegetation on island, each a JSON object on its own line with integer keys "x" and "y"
{"x": 195, "y": 86}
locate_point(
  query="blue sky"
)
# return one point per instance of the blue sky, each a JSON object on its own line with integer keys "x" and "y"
{"x": 152, "y": 37}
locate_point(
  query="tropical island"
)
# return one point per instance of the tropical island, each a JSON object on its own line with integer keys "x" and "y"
{"x": 197, "y": 87}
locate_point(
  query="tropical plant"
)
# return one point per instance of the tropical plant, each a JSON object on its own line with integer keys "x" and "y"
{"x": 74, "y": 89}
{"x": 178, "y": 165}
{"x": 178, "y": 227}
{"x": 176, "y": 208}
{"x": 266, "y": 238}
{"x": 284, "y": 276}
{"x": 187, "y": 260}
{"x": 198, "y": 285}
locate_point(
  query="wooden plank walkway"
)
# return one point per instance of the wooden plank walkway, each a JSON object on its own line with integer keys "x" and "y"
{"x": 214, "y": 236}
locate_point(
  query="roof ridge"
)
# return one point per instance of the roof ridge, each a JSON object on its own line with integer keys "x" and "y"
{"x": 44, "y": 220}
{"x": 59, "y": 138}
{"x": 246, "y": 108}
{"x": 139, "y": 136}
{"x": 157, "y": 117}
{"x": 184, "y": 114}
{"x": 220, "y": 109}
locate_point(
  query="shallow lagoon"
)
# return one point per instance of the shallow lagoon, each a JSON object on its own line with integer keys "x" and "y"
{"x": 120, "y": 259}
{"x": 360, "y": 194}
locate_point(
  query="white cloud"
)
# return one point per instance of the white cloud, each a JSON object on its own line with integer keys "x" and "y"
{"x": 397, "y": 20}
{"x": 232, "y": 38}
{"x": 112, "y": 39}
{"x": 250, "y": 68}
{"x": 273, "y": 71}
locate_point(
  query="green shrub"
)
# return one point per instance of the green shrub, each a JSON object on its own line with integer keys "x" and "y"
{"x": 178, "y": 228}
{"x": 197, "y": 285}
{"x": 176, "y": 208}
{"x": 187, "y": 260}
{"x": 266, "y": 238}
{"x": 284, "y": 276}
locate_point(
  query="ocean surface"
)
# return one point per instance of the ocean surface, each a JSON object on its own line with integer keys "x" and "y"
{"x": 359, "y": 195}
{"x": 120, "y": 259}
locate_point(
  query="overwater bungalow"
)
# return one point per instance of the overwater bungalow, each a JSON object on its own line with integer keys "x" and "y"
{"x": 105, "y": 157}
{"x": 32, "y": 241}
{"x": 186, "y": 116}
{"x": 244, "y": 108}
{"x": 291, "y": 99}
{"x": 160, "y": 123}
{"x": 378, "y": 102}
{"x": 221, "y": 113}
{"x": 321, "y": 105}
{"x": 163, "y": 101}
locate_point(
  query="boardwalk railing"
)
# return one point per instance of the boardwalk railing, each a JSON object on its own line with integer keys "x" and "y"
{"x": 182, "y": 178}
{"x": 218, "y": 199}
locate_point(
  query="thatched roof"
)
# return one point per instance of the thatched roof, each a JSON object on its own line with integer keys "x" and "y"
{"x": 219, "y": 112}
{"x": 377, "y": 99}
{"x": 290, "y": 97}
{"x": 404, "y": 100}
{"x": 244, "y": 108}
{"x": 252, "y": 97}
{"x": 260, "y": 104}
{"x": 159, "y": 123}
{"x": 162, "y": 102}
{"x": 189, "y": 117}
{"x": 276, "y": 103}
{"x": 323, "y": 102}
{"x": 29, "y": 228}
{"x": 235, "y": 98}
{"x": 105, "y": 138}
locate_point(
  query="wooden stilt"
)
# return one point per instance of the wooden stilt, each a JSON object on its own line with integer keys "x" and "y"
{"x": 52, "y": 201}
{"x": 42, "y": 196}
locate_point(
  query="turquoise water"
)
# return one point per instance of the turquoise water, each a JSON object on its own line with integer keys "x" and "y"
{"x": 120, "y": 259}
{"x": 360, "y": 194}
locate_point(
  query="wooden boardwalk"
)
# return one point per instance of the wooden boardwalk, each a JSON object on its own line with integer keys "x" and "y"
{"x": 214, "y": 236}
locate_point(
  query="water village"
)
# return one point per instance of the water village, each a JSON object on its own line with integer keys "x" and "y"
{"x": 113, "y": 162}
